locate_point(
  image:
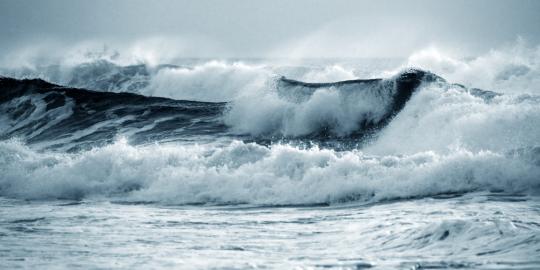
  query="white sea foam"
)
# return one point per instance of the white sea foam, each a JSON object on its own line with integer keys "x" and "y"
{"x": 203, "y": 80}
{"x": 511, "y": 69}
{"x": 331, "y": 73}
{"x": 439, "y": 118}
{"x": 249, "y": 173}
{"x": 211, "y": 81}
{"x": 339, "y": 110}
{"x": 514, "y": 68}
{"x": 444, "y": 140}
{"x": 218, "y": 81}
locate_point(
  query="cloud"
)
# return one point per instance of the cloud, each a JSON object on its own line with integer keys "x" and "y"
{"x": 360, "y": 37}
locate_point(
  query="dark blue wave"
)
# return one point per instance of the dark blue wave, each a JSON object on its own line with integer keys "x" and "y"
{"x": 44, "y": 113}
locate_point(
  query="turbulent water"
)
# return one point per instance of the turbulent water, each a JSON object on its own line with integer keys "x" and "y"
{"x": 428, "y": 162}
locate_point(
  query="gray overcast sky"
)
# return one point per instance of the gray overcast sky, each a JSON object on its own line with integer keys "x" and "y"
{"x": 277, "y": 28}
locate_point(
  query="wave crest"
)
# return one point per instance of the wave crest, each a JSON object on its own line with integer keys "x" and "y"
{"x": 340, "y": 109}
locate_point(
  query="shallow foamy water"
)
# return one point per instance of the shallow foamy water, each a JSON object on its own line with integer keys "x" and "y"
{"x": 480, "y": 231}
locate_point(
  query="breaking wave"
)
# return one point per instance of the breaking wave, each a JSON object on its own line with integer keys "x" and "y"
{"x": 252, "y": 132}
{"x": 440, "y": 138}
{"x": 250, "y": 173}
{"x": 512, "y": 69}
{"x": 210, "y": 81}
{"x": 41, "y": 112}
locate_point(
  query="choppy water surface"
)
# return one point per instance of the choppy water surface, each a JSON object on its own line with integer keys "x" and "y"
{"x": 476, "y": 231}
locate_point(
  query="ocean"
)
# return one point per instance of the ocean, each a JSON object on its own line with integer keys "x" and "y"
{"x": 428, "y": 162}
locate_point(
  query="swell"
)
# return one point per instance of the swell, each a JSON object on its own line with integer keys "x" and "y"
{"x": 52, "y": 115}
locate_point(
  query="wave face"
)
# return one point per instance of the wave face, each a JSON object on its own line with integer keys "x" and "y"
{"x": 346, "y": 108}
{"x": 51, "y": 116}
